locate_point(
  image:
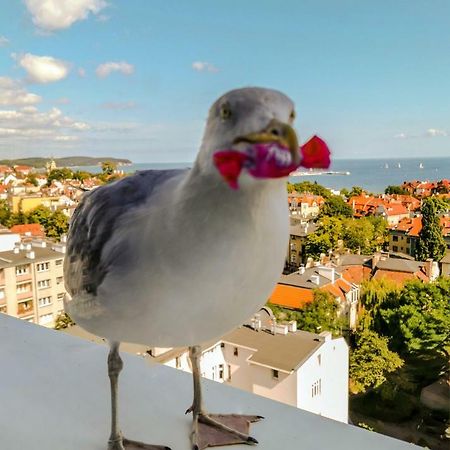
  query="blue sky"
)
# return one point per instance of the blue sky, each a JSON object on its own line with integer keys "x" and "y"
{"x": 135, "y": 78}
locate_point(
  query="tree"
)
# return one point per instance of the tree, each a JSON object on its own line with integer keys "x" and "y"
{"x": 314, "y": 188}
{"x": 356, "y": 191}
{"x": 392, "y": 189}
{"x": 108, "y": 168}
{"x": 63, "y": 321}
{"x": 417, "y": 317}
{"x": 370, "y": 361}
{"x": 319, "y": 315}
{"x": 5, "y": 214}
{"x": 335, "y": 206}
{"x": 81, "y": 175}
{"x": 31, "y": 178}
{"x": 59, "y": 175}
{"x": 325, "y": 238}
{"x": 55, "y": 223}
{"x": 431, "y": 242}
{"x": 358, "y": 235}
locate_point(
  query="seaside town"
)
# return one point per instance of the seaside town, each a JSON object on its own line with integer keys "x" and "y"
{"x": 356, "y": 329}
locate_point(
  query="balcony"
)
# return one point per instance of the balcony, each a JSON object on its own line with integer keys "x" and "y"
{"x": 49, "y": 366}
{"x": 23, "y": 277}
{"x": 24, "y": 295}
{"x": 25, "y": 309}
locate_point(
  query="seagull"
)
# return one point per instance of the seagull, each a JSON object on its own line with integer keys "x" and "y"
{"x": 200, "y": 248}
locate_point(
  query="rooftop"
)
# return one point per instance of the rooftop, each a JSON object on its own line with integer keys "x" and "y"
{"x": 56, "y": 393}
{"x": 11, "y": 259}
{"x": 282, "y": 352}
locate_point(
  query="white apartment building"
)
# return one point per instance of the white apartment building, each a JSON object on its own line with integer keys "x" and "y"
{"x": 302, "y": 369}
{"x": 32, "y": 283}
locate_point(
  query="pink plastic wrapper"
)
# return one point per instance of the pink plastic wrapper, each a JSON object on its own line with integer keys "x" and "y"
{"x": 269, "y": 160}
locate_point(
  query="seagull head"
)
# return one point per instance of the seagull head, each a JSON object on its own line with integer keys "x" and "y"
{"x": 249, "y": 134}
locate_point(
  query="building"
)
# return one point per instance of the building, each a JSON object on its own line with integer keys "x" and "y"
{"x": 305, "y": 205}
{"x": 445, "y": 265}
{"x": 32, "y": 283}
{"x": 404, "y": 235}
{"x": 26, "y": 203}
{"x": 302, "y": 369}
{"x": 298, "y": 233}
{"x": 295, "y": 290}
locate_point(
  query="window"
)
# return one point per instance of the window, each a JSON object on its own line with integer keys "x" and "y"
{"x": 22, "y": 288}
{"x": 60, "y": 296}
{"x": 395, "y": 248}
{"x": 42, "y": 284}
{"x": 395, "y": 238}
{"x": 236, "y": 351}
{"x": 58, "y": 262}
{"x": 21, "y": 270}
{"x": 222, "y": 345}
{"x": 2, "y": 294}
{"x": 177, "y": 362}
{"x": 408, "y": 240}
{"x": 44, "y": 301}
{"x": 221, "y": 372}
{"x": 45, "y": 319}
{"x": 43, "y": 267}
{"x": 316, "y": 388}
{"x": 3, "y": 309}
{"x": 319, "y": 359}
{"x": 59, "y": 280}
{"x": 275, "y": 374}
{"x": 229, "y": 372}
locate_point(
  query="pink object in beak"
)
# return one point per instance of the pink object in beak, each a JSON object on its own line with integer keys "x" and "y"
{"x": 269, "y": 160}
{"x": 315, "y": 154}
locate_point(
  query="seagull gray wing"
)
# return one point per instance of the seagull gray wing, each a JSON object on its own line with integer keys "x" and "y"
{"x": 93, "y": 223}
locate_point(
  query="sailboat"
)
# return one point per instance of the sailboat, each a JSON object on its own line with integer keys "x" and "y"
{"x": 421, "y": 166}
{"x": 399, "y": 166}
{"x": 386, "y": 166}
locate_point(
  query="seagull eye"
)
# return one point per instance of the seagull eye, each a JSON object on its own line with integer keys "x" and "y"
{"x": 292, "y": 116}
{"x": 225, "y": 112}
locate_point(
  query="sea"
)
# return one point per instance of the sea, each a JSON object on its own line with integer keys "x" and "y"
{"x": 371, "y": 174}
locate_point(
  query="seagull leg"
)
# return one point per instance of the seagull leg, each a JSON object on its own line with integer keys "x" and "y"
{"x": 116, "y": 440}
{"x": 211, "y": 430}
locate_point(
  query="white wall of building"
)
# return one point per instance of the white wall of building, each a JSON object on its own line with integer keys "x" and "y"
{"x": 8, "y": 241}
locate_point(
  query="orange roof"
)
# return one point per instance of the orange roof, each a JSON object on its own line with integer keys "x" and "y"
{"x": 291, "y": 297}
{"x": 334, "y": 290}
{"x": 35, "y": 229}
{"x": 356, "y": 274}
{"x": 399, "y": 277}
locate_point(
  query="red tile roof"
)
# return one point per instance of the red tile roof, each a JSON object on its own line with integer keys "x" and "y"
{"x": 291, "y": 297}
{"x": 34, "y": 229}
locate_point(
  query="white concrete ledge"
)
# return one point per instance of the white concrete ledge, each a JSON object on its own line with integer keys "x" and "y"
{"x": 54, "y": 395}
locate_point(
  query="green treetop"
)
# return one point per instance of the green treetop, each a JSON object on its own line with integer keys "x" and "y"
{"x": 431, "y": 242}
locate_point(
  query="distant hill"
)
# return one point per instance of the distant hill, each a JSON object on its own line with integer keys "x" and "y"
{"x": 68, "y": 161}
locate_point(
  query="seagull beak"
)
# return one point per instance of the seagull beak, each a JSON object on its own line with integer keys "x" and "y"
{"x": 275, "y": 132}
{"x": 270, "y": 153}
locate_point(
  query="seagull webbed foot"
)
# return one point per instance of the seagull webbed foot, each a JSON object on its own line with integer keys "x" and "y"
{"x": 213, "y": 430}
{"x": 127, "y": 444}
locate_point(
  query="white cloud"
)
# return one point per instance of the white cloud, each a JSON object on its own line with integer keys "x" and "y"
{"x": 400, "y": 136}
{"x": 54, "y": 15}
{"x": 105, "y": 69}
{"x": 121, "y": 106}
{"x": 12, "y": 93}
{"x": 202, "y": 66}
{"x": 433, "y": 132}
{"x": 30, "y": 123}
{"x": 66, "y": 138}
{"x": 3, "y": 41}
{"x": 42, "y": 69}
